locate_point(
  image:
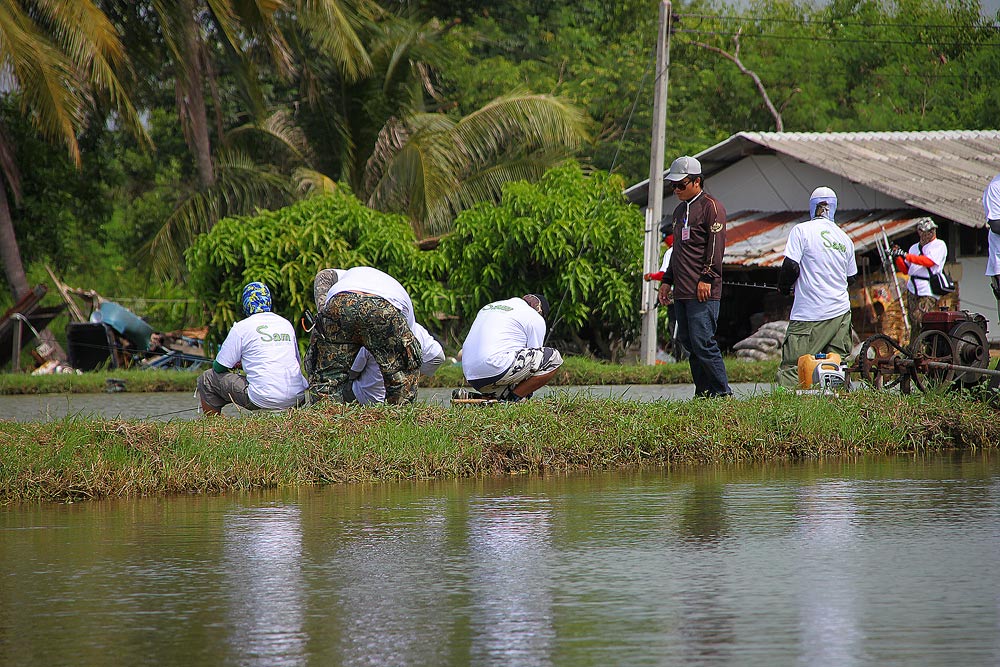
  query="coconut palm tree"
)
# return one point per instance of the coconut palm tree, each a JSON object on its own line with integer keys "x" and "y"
{"x": 399, "y": 149}
{"x": 384, "y": 144}
{"x": 59, "y": 58}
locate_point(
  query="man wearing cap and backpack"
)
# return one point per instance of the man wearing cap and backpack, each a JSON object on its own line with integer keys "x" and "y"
{"x": 924, "y": 264}
{"x": 503, "y": 356}
{"x": 695, "y": 273}
{"x": 820, "y": 263}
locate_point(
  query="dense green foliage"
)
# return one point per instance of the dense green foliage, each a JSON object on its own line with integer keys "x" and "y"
{"x": 285, "y": 249}
{"x": 572, "y": 237}
{"x": 296, "y": 93}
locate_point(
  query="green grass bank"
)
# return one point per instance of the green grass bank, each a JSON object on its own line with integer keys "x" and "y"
{"x": 575, "y": 371}
{"x": 83, "y": 458}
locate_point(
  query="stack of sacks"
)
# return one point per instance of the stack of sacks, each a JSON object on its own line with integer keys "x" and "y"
{"x": 763, "y": 344}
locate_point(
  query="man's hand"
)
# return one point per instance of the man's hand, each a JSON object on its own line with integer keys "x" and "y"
{"x": 704, "y": 291}
{"x": 666, "y": 296}
{"x": 897, "y": 252}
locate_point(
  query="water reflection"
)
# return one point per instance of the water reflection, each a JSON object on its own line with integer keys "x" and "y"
{"x": 832, "y": 563}
{"x": 262, "y": 562}
{"x": 510, "y": 551}
{"x": 829, "y": 612}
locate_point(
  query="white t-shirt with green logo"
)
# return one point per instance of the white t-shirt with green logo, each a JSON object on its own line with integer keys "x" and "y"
{"x": 265, "y": 344}
{"x": 826, "y": 258}
{"x": 500, "y": 329}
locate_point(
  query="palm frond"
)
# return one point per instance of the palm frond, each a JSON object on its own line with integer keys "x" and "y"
{"x": 258, "y": 17}
{"x": 87, "y": 37}
{"x": 333, "y": 26}
{"x": 311, "y": 183}
{"x": 42, "y": 74}
{"x": 528, "y": 120}
{"x": 243, "y": 186}
{"x": 279, "y": 131}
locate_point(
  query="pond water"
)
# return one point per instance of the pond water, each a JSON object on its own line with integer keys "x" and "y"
{"x": 183, "y": 405}
{"x": 876, "y": 562}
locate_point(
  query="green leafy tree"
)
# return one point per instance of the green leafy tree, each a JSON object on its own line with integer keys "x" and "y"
{"x": 571, "y": 236}
{"x": 285, "y": 248}
{"x": 60, "y": 56}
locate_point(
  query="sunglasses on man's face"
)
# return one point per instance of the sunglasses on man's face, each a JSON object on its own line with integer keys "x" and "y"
{"x": 680, "y": 185}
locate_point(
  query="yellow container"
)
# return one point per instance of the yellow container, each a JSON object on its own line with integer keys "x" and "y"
{"x": 810, "y": 366}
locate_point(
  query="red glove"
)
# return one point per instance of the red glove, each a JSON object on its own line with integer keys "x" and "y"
{"x": 653, "y": 276}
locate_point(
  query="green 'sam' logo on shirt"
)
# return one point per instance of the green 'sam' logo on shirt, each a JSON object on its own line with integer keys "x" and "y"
{"x": 832, "y": 245}
{"x": 273, "y": 338}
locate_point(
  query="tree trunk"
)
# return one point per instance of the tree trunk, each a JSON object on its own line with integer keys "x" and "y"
{"x": 194, "y": 96}
{"x": 10, "y": 252}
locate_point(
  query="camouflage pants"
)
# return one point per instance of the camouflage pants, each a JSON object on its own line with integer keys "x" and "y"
{"x": 350, "y": 321}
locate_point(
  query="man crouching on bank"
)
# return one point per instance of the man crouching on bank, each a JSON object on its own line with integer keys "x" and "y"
{"x": 503, "y": 356}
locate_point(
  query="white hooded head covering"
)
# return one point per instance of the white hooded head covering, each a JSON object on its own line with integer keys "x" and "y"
{"x": 823, "y": 194}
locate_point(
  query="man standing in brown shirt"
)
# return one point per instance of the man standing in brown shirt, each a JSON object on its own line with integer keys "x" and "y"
{"x": 695, "y": 272}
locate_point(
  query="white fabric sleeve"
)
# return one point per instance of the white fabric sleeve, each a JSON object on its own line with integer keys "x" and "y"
{"x": 793, "y": 246}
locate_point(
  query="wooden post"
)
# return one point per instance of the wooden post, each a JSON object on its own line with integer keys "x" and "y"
{"x": 654, "y": 203}
{"x": 15, "y": 355}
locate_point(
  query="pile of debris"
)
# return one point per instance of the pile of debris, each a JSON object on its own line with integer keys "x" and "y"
{"x": 109, "y": 336}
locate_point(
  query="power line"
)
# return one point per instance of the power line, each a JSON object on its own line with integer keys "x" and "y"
{"x": 834, "y": 40}
{"x": 826, "y": 23}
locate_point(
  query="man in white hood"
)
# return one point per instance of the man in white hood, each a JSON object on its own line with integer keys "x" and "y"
{"x": 820, "y": 264}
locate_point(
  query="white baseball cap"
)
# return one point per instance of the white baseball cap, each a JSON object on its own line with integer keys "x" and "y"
{"x": 683, "y": 167}
{"x": 926, "y": 225}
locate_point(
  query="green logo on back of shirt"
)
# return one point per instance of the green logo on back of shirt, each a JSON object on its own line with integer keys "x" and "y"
{"x": 497, "y": 306}
{"x": 833, "y": 245}
{"x": 272, "y": 338}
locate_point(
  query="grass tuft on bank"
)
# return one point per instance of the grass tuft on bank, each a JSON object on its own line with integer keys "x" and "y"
{"x": 82, "y": 458}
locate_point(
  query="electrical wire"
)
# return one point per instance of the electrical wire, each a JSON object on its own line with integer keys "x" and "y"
{"x": 828, "y": 22}
{"x": 833, "y": 40}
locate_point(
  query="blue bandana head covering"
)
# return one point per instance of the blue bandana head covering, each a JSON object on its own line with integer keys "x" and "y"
{"x": 826, "y": 195}
{"x": 256, "y": 299}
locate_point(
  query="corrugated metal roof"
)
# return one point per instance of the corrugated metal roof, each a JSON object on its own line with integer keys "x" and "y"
{"x": 942, "y": 173}
{"x": 755, "y": 239}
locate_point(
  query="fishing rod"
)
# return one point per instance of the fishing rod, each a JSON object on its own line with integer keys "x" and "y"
{"x": 885, "y": 255}
{"x": 727, "y": 283}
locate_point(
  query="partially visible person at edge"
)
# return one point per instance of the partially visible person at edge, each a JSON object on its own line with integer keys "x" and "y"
{"x": 368, "y": 384}
{"x": 820, "y": 263}
{"x": 665, "y": 297}
{"x": 503, "y": 356}
{"x": 263, "y": 344}
{"x": 926, "y": 256}
{"x": 695, "y": 275}
{"x": 362, "y": 307}
{"x": 991, "y": 208}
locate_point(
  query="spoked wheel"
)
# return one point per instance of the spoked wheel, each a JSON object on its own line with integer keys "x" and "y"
{"x": 877, "y": 359}
{"x": 933, "y": 346}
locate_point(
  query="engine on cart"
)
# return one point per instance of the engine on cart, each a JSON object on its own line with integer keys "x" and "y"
{"x": 951, "y": 351}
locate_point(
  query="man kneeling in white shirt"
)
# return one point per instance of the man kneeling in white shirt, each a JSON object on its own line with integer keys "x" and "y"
{"x": 503, "y": 356}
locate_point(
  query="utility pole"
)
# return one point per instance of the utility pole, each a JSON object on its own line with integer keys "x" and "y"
{"x": 654, "y": 203}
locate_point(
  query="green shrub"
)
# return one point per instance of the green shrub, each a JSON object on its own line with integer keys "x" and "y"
{"x": 285, "y": 248}
{"x": 571, "y": 236}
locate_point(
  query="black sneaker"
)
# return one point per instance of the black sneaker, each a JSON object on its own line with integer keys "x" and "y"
{"x": 459, "y": 394}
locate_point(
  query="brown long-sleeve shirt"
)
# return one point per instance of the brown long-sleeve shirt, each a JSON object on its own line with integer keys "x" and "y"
{"x": 699, "y": 258}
